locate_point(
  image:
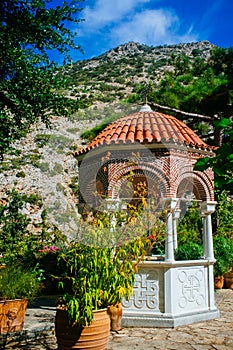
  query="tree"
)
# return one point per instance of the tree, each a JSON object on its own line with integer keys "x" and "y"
{"x": 208, "y": 93}
{"x": 222, "y": 163}
{"x": 29, "y": 80}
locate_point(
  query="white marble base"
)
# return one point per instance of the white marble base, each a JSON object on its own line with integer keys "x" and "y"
{"x": 169, "y": 294}
{"x": 164, "y": 321}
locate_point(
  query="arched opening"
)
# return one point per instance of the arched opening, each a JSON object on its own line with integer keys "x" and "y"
{"x": 138, "y": 186}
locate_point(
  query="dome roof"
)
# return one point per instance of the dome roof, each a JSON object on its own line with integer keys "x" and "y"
{"x": 147, "y": 127}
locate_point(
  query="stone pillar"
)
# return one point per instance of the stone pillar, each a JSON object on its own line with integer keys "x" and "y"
{"x": 206, "y": 209}
{"x": 170, "y": 204}
{"x": 204, "y": 235}
{"x": 176, "y": 216}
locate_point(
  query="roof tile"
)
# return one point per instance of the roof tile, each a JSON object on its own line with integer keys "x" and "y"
{"x": 149, "y": 127}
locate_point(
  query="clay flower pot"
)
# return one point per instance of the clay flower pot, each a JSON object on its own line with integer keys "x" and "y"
{"x": 218, "y": 282}
{"x": 12, "y": 315}
{"x": 115, "y": 313}
{"x": 228, "y": 278}
{"x": 94, "y": 337}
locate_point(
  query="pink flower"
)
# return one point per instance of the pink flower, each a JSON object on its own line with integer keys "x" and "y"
{"x": 47, "y": 249}
{"x": 54, "y": 248}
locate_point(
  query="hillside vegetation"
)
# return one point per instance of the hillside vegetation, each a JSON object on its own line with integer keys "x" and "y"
{"x": 116, "y": 74}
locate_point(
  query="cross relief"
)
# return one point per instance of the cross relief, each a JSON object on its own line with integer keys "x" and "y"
{"x": 146, "y": 293}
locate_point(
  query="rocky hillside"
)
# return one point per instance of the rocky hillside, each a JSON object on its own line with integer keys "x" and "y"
{"x": 114, "y": 75}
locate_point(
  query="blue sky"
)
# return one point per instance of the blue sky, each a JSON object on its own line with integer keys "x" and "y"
{"x": 109, "y": 23}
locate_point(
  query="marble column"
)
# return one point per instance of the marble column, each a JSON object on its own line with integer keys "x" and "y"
{"x": 176, "y": 215}
{"x": 206, "y": 209}
{"x": 170, "y": 204}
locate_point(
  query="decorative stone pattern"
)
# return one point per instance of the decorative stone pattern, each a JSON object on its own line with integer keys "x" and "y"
{"x": 146, "y": 292}
{"x": 191, "y": 289}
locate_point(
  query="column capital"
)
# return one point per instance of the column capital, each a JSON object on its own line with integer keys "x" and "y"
{"x": 114, "y": 204}
{"x": 170, "y": 203}
{"x": 176, "y": 214}
{"x": 207, "y": 207}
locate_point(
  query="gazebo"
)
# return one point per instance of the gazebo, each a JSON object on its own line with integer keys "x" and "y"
{"x": 159, "y": 151}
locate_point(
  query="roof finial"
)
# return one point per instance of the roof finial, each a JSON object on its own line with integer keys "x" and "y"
{"x": 145, "y": 91}
{"x": 145, "y": 108}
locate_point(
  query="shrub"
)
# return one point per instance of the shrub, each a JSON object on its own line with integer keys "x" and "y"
{"x": 189, "y": 251}
{"x": 17, "y": 283}
{"x": 223, "y": 253}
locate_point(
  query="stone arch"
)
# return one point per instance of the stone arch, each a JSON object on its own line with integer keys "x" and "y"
{"x": 157, "y": 183}
{"x": 197, "y": 183}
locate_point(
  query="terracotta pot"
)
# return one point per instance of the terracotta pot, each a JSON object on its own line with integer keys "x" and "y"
{"x": 12, "y": 315}
{"x": 93, "y": 337}
{"x": 218, "y": 282}
{"x": 115, "y": 313}
{"x": 228, "y": 278}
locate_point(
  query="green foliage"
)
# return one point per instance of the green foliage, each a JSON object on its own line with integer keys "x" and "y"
{"x": 190, "y": 227}
{"x": 222, "y": 62}
{"x": 189, "y": 251}
{"x": 92, "y": 133}
{"x": 223, "y": 216}
{"x": 222, "y": 163}
{"x": 182, "y": 64}
{"x": 18, "y": 244}
{"x": 223, "y": 253}
{"x": 42, "y": 139}
{"x": 43, "y": 166}
{"x": 190, "y": 91}
{"x": 29, "y": 81}
{"x": 74, "y": 185}
{"x": 21, "y": 174}
{"x": 189, "y": 235}
{"x": 101, "y": 271}
{"x": 96, "y": 277}
{"x": 13, "y": 222}
{"x": 17, "y": 283}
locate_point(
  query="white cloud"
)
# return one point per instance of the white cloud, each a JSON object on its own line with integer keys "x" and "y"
{"x": 109, "y": 23}
{"x": 108, "y": 12}
{"x": 151, "y": 27}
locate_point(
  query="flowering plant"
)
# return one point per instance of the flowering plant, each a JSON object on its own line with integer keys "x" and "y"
{"x": 47, "y": 249}
{"x": 48, "y": 263}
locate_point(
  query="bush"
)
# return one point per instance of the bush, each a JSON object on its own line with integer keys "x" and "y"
{"x": 223, "y": 253}
{"x": 189, "y": 251}
{"x": 17, "y": 283}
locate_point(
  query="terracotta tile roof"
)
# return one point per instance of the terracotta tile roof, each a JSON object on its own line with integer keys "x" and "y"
{"x": 147, "y": 127}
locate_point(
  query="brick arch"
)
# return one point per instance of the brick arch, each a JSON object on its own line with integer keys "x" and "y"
{"x": 198, "y": 183}
{"x": 151, "y": 173}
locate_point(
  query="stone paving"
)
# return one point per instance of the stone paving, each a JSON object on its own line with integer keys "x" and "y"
{"x": 211, "y": 335}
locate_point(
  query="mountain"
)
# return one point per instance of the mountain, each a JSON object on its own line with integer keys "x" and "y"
{"x": 114, "y": 75}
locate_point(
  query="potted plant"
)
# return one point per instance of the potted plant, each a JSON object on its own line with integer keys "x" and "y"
{"x": 223, "y": 253}
{"x": 98, "y": 274}
{"x": 17, "y": 286}
{"x": 96, "y": 277}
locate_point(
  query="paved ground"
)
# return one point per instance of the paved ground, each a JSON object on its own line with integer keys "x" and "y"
{"x": 211, "y": 335}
